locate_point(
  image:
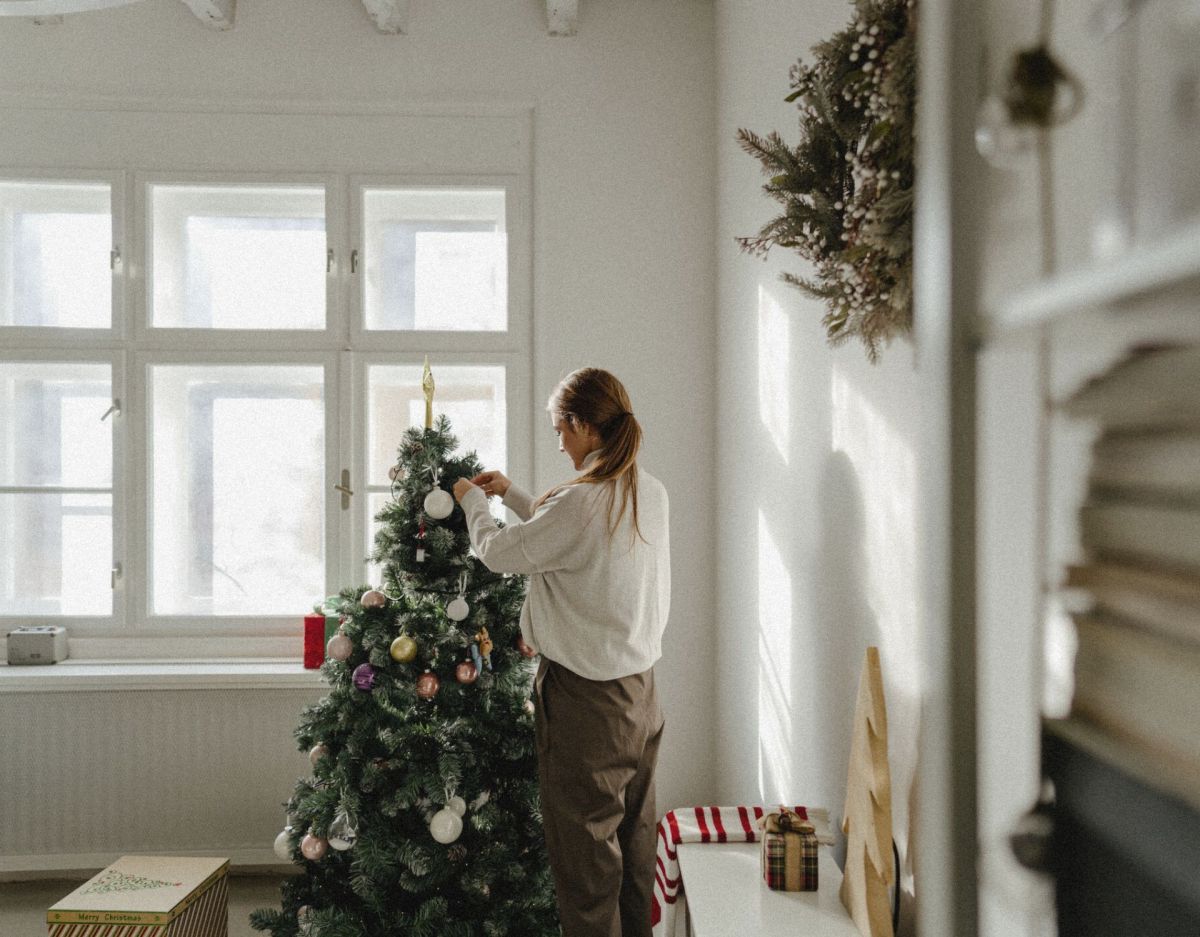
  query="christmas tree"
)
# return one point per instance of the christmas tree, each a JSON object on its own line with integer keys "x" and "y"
{"x": 421, "y": 816}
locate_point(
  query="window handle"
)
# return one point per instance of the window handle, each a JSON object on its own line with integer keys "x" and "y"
{"x": 329, "y": 261}
{"x": 354, "y": 261}
{"x": 344, "y": 488}
{"x": 115, "y": 408}
{"x": 114, "y": 258}
{"x": 116, "y": 574}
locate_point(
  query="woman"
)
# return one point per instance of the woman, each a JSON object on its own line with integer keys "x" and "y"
{"x": 597, "y": 553}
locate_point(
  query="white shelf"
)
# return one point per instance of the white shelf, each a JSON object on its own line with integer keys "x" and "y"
{"x": 1170, "y": 264}
{"x": 726, "y": 896}
{"x": 71, "y": 676}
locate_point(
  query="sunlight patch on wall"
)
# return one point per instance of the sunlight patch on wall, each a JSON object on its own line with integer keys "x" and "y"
{"x": 774, "y": 373}
{"x": 776, "y": 748}
{"x": 885, "y": 464}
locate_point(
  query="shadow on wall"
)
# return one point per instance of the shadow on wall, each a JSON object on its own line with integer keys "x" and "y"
{"x": 848, "y": 623}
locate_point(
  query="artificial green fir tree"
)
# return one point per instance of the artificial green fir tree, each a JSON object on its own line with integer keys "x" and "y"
{"x": 421, "y": 816}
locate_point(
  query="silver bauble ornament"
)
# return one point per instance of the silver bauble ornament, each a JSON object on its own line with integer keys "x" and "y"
{"x": 446, "y": 826}
{"x": 458, "y": 609}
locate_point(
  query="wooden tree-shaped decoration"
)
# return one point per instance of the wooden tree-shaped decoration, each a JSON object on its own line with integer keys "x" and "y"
{"x": 867, "y": 820}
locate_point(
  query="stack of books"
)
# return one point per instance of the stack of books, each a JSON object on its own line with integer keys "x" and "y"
{"x": 1137, "y": 669}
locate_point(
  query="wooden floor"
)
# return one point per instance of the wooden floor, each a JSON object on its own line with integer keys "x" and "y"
{"x": 23, "y": 904}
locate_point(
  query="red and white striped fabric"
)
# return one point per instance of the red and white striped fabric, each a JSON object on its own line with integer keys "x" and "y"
{"x": 708, "y": 825}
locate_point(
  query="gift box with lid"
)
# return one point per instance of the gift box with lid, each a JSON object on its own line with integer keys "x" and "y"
{"x": 789, "y": 852}
{"x": 163, "y": 896}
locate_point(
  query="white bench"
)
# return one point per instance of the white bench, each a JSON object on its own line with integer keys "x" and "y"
{"x": 726, "y": 896}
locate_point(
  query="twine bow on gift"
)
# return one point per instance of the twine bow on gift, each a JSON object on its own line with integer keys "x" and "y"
{"x": 785, "y": 821}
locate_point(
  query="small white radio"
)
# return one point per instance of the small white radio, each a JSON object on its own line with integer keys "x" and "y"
{"x": 37, "y": 644}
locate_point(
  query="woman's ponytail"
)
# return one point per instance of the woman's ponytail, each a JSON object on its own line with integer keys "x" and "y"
{"x": 595, "y": 397}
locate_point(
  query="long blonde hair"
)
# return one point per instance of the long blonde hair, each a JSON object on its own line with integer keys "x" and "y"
{"x": 595, "y": 397}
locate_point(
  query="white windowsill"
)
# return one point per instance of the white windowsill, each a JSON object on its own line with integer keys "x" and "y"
{"x": 91, "y": 675}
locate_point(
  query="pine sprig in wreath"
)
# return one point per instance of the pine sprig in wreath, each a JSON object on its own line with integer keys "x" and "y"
{"x": 847, "y": 186}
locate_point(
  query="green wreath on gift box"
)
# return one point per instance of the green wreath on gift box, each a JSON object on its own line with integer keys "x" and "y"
{"x": 847, "y": 186}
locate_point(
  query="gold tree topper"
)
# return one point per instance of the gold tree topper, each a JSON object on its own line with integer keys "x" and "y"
{"x": 427, "y": 386}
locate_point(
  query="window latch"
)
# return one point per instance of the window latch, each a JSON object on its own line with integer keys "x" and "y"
{"x": 114, "y": 258}
{"x": 344, "y": 488}
{"x": 354, "y": 261}
{"x": 329, "y": 260}
{"x": 116, "y": 574}
{"x": 115, "y": 408}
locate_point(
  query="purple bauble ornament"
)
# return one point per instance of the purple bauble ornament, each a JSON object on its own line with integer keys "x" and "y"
{"x": 364, "y": 677}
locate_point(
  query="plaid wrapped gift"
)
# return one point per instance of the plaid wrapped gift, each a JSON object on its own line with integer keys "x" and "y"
{"x": 789, "y": 852}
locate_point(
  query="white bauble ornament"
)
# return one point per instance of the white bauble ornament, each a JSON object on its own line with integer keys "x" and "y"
{"x": 458, "y": 609}
{"x": 438, "y": 504}
{"x": 283, "y": 845}
{"x": 458, "y": 805}
{"x": 446, "y": 826}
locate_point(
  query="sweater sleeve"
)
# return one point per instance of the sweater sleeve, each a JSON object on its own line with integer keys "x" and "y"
{"x": 519, "y": 501}
{"x": 539, "y": 545}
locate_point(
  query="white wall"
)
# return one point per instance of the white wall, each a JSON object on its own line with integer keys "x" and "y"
{"x": 816, "y": 477}
{"x": 623, "y": 211}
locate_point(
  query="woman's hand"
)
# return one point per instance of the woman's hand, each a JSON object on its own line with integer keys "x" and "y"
{"x": 461, "y": 487}
{"x": 492, "y": 483}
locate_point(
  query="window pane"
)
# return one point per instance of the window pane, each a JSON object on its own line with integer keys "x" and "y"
{"x": 238, "y": 257}
{"x": 51, "y": 432}
{"x": 55, "y": 239}
{"x": 237, "y": 489}
{"x": 472, "y": 396}
{"x": 435, "y": 259}
{"x": 60, "y": 559}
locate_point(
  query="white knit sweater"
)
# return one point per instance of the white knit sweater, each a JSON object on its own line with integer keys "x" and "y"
{"x": 597, "y": 603}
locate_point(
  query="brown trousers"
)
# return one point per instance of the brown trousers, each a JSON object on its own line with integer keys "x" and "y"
{"x": 597, "y": 750}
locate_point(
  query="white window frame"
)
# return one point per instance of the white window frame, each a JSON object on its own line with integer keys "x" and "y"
{"x": 344, "y": 348}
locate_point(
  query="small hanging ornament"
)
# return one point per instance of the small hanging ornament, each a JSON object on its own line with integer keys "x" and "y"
{"x": 446, "y": 826}
{"x": 283, "y": 845}
{"x": 364, "y": 677}
{"x": 340, "y": 646}
{"x": 466, "y": 672}
{"x": 527, "y": 650}
{"x": 529, "y": 707}
{"x": 458, "y": 805}
{"x": 341, "y": 831}
{"x": 373, "y": 598}
{"x": 317, "y": 752}
{"x": 427, "y": 685}
{"x": 396, "y": 472}
{"x": 485, "y": 647}
{"x": 403, "y": 649}
{"x": 421, "y": 542}
{"x": 314, "y": 847}
{"x": 458, "y": 609}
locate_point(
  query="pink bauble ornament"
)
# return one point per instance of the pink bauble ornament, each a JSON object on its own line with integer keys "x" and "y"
{"x": 317, "y": 752}
{"x": 339, "y": 647}
{"x": 526, "y": 649}
{"x": 314, "y": 847}
{"x": 466, "y": 672}
{"x": 427, "y": 685}
{"x": 373, "y": 598}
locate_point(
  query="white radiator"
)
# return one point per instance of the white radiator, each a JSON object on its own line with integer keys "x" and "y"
{"x": 86, "y": 777}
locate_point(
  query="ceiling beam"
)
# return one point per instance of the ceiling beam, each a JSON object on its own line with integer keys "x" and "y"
{"x": 561, "y": 16}
{"x": 215, "y": 14}
{"x": 390, "y": 16}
